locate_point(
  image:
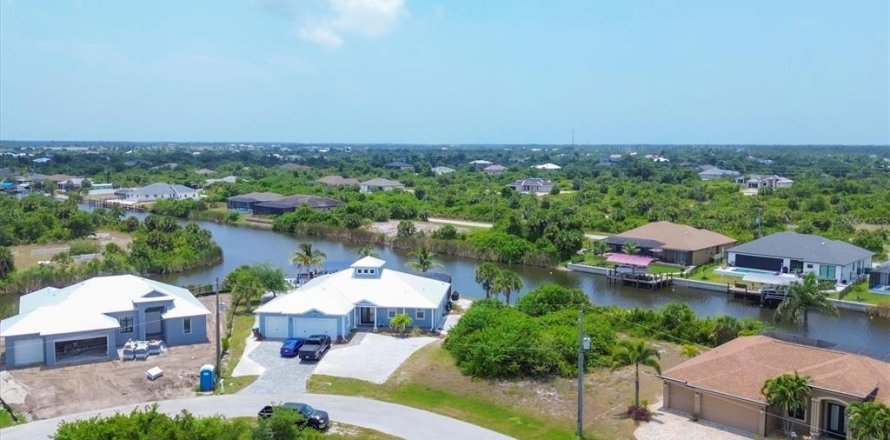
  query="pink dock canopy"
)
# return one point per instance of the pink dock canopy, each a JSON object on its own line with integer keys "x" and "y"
{"x": 630, "y": 260}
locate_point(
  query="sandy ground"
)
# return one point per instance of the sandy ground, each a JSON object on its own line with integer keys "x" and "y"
{"x": 56, "y": 391}
{"x": 30, "y": 255}
{"x": 374, "y": 359}
{"x": 391, "y": 228}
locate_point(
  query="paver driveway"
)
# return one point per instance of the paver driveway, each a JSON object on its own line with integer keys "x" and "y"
{"x": 669, "y": 425}
{"x": 281, "y": 375}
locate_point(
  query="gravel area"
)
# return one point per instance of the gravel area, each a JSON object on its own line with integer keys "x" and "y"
{"x": 280, "y": 375}
{"x": 669, "y": 425}
{"x": 373, "y": 359}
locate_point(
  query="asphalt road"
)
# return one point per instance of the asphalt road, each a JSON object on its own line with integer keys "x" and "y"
{"x": 400, "y": 421}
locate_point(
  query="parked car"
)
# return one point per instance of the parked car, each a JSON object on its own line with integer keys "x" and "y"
{"x": 291, "y": 347}
{"x": 315, "y": 347}
{"x": 312, "y": 417}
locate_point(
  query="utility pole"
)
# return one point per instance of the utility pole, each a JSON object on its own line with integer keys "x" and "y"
{"x": 583, "y": 346}
{"x": 218, "y": 354}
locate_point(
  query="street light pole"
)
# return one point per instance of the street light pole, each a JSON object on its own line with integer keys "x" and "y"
{"x": 218, "y": 354}
{"x": 583, "y": 346}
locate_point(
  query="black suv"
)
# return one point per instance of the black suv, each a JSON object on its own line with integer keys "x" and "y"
{"x": 312, "y": 417}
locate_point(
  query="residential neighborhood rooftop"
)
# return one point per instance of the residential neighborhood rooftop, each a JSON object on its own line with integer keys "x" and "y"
{"x": 669, "y": 235}
{"x": 337, "y": 180}
{"x": 256, "y": 197}
{"x": 740, "y": 368}
{"x": 381, "y": 182}
{"x": 84, "y": 306}
{"x": 804, "y": 247}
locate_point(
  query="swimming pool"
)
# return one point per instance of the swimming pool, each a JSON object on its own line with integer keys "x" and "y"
{"x": 740, "y": 271}
{"x": 880, "y": 290}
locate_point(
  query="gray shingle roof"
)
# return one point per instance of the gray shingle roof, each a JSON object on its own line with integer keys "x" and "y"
{"x": 300, "y": 200}
{"x": 804, "y": 247}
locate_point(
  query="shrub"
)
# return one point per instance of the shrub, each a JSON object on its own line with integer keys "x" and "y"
{"x": 639, "y": 413}
{"x": 406, "y": 229}
{"x": 83, "y": 247}
{"x": 550, "y": 298}
{"x": 149, "y": 424}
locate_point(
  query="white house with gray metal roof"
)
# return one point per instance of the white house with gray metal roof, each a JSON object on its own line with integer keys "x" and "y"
{"x": 364, "y": 295}
{"x": 157, "y": 191}
{"x": 790, "y": 252}
{"x": 87, "y": 321}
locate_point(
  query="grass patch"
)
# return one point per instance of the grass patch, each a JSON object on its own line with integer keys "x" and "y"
{"x": 860, "y": 293}
{"x": 597, "y": 260}
{"x": 336, "y": 431}
{"x": 429, "y": 380}
{"x": 6, "y": 418}
{"x": 469, "y": 409}
{"x": 706, "y": 273}
{"x": 241, "y": 328}
{"x": 663, "y": 268}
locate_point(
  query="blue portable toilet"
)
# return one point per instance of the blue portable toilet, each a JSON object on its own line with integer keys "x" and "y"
{"x": 207, "y": 377}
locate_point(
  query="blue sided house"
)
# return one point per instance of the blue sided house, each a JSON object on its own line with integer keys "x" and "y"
{"x": 89, "y": 320}
{"x": 364, "y": 295}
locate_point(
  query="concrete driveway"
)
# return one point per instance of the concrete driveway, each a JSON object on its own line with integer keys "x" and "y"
{"x": 397, "y": 420}
{"x": 278, "y": 375}
{"x": 373, "y": 358}
{"x": 669, "y": 425}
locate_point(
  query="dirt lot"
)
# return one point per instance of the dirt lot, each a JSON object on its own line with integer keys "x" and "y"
{"x": 63, "y": 390}
{"x": 30, "y": 255}
{"x": 607, "y": 394}
{"x": 391, "y": 228}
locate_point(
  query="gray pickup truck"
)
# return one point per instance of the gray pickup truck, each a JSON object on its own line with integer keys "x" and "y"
{"x": 315, "y": 347}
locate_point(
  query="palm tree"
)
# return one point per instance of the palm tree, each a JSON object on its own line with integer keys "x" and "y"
{"x": 245, "y": 290}
{"x": 600, "y": 247}
{"x": 485, "y": 276}
{"x": 789, "y": 393}
{"x": 868, "y": 420}
{"x": 507, "y": 282}
{"x": 802, "y": 297}
{"x": 401, "y": 321}
{"x": 636, "y": 353}
{"x": 425, "y": 260}
{"x": 630, "y": 248}
{"x": 366, "y": 251}
{"x": 308, "y": 258}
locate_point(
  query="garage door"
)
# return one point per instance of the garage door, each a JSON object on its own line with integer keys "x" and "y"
{"x": 762, "y": 263}
{"x": 276, "y": 327}
{"x": 81, "y": 350}
{"x": 730, "y": 412}
{"x": 28, "y": 351}
{"x": 682, "y": 398}
{"x": 314, "y": 326}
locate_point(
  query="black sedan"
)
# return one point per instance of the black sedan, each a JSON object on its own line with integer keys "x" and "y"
{"x": 315, "y": 418}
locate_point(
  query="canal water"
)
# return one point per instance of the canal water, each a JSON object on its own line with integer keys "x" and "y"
{"x": 241, "y": 245}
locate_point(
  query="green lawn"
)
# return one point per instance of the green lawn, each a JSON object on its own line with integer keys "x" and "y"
{"x": 242, "y": 328}
{"x": 663, "y": 268}
{"x": 860, "y": 293}
{"x": 6, "y": 418}
{"x": 337, "y": 431}
{"x": 469, "y": 409}
{"x": 706, "y": 273}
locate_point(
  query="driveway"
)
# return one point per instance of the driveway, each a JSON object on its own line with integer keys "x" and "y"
{"x": 669, "y": 425}
{"x": 374, "y": 358}
{"x": 397, "y": 420}
{"x": 278, "y": 375}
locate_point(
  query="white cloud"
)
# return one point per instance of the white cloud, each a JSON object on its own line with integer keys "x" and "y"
{"x": 366, "y": 18}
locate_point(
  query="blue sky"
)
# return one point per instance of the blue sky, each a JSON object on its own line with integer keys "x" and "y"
{"x": 410, "y": 71}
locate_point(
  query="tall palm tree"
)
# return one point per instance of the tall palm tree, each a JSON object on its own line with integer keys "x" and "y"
{"x": 630, "y": 248}
{"x": 425, "y": 260}
{"x": 308, "y": 258}
{"x": 485, "y": 276}
{"x": 507, "y": 282}
{"x": 245, "y": 290}
{"x": 366, "y": 251}
{"x": 636, "y": 353}
{"x": 788, "y": 392}
{"x": 868, "y": 420}
{"x": 802, "y": 297}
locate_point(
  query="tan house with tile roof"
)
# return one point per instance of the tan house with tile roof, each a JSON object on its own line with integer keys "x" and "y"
{"x": 674, "y": 243}
{"x": 723, "y": 385}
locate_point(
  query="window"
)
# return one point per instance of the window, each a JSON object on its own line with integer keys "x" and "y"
{"x": 420, "y": 314}
{"x": 187, "y": 326}
{"x": 809, "y": 266}
{"x": 391, "y": 313}
{"x": 799, "y": 414}
{"x": 372, "y": 271}
{"x": 827, "y": 272}
{"x": 126, "y": 323}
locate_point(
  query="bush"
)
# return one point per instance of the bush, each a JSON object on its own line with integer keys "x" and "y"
{"x": 639, "y": 413}
{"x": 406, "y": 229}
{"x": 83, "y": 247}
{"x": 550, "y": 298}
{"x": 149, "y": 424}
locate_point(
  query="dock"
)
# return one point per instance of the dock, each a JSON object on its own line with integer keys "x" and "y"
{"x": 112, "y": 203}
{"x": 640, "y": 280}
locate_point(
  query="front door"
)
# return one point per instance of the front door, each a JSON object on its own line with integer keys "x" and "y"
{"x": 835, "y": 420}
{"x": 366, "y": 316}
